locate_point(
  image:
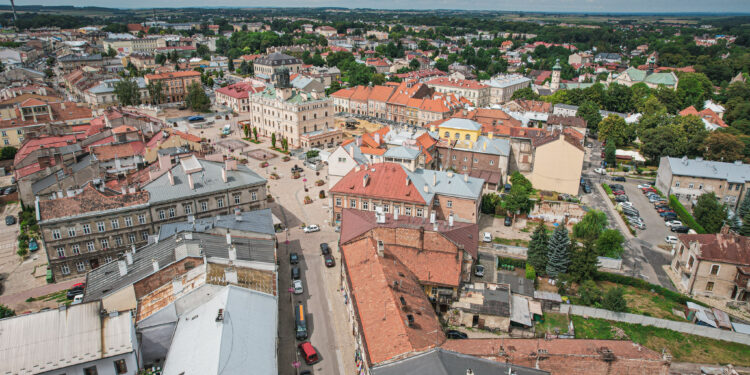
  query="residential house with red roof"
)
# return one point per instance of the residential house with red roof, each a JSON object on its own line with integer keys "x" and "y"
{"x": 30, "y": 115}
{"x": 713, "y": 265}
{"x": 476, "y": 92}
{"x": 711, "y": 120}
{"x": 235, "y": 96}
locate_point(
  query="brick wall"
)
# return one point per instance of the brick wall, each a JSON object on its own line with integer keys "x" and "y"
{"x": 165, "y": 275}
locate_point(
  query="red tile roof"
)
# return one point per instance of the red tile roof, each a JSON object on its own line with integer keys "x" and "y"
{"x": 90, "y": 200}
{"x": 727, "y": 248}
{"x": 384, "y": 181}
{"x": 343, "y": 93}
{"x": 708, "y": 114}
{"x": 180, "y": 74}
{"x": 34, "y": 144}
{"x": 462, "y": 83}
{"x": 381, "y": 93}
{"x": 240, "y": 90}
{"x": 61, "y": 112}
{"x": 120, "y": 150}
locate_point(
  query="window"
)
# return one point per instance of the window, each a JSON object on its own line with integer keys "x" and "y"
{"x": 737, "y": 187}
{"x": 128, "y": 221}
{"x": 457, "y": 136}
{"x": 220, "y": 202}
{"x": 86, "y": 229}
{"x": 677, "y": 184}
{"x": 353, "y": 203}
{"x": 131, "y": 237}
{"x": 465, "y": 158}
{"x": 90, "y": 371}
{"x": 100, "y": 226}
{"x": 407, "y": 211}
{"x": 419, "y": 212}
{"x": 338, "y": 202}
{"x": 188, "y": 207}
{"x": 386, "y": 208}
{"x": 162, "y": 215}
{"x": 115, "y": 223}
{"x": 80, "y": 266}
{"x": 56, "y": 234}
{"x": 450, "y": 204}
{"x": 105, "y": 243}
{"x": 65, "y": 270}
{"x": 141, "y": 219}
{"x": 453, "y": 157}
{"x": 171, "y": 211}
{"x": 476, "y": 160}
{"x": 690, "y": 186}
{"x": 144, "y": 235}
{"x": 107, "y": 259}
{"x": 236, "y": 199}
{"x": 709, "y": 286}
{"x": 60, "y": 252}
{"x": 715, "y": 269}
{"x": 90, "y": 246}
{"x": 76, "y": 249}
{"x": 71, "y": 232}
{"x": 204, "y": 206}
{"x": 365, "y": 205}
{"x": 253, "y": 196}
{"x": 121, "y": 367}
{"x": 118, "y": 241}
{"x": 467, "y": 137}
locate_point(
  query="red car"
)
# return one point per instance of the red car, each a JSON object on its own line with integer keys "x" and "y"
{"x": 646, "y": 190}
{"x": 618, "y": 192}
{"x": 308, "y": 352}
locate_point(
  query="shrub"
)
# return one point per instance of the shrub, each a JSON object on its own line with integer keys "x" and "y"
{"x": 642, "y": 284}
{"x": 518, "y": 263}
{"x": 589, "y": 293}
{"x": 614, "y": 300}
{"x": 607, "y": 189}
{"x": 684, "y": 215}
{"x": 322, "y": 194}
{"x": 530, "y": 273}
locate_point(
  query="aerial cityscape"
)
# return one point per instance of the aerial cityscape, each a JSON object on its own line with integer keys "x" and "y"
{"x": 359, "y": 188}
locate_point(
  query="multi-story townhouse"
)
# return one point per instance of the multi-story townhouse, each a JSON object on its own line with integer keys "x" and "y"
{"x": 687, "y": 179}
{"x": 477, "y": 93}
{"x": 175, "y": 84}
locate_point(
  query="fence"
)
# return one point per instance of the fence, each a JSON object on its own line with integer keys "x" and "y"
{"x": 515, "y": 251}
{"x": 689, "y": 328}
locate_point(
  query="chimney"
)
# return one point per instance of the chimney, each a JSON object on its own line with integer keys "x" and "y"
{"x": 232, "y": 253}
{"x": 155, "y": 264}
{"x": 426, "y": 188}
{"x": 171, "y": 177}
{"x": 224, "y": 174}
{"x": 229, "y": 238}
{"x": 450, "y": 220}
{"x": 129, "y": 258}
{"x": 123, "y": 267}
{"x": 434, "y": 179}
{"x": 484, "y": 146}
{"x": 466, "y": 177}
{"x": 230, "y": 275}
{"x": 407, "y": 180}
{"x": 165, "y": 162}
{"x": 432, "y": 128}
{"x": 230, "y": 164}
{"x": 432, "y": 217}
{"x": 190, "y": 181}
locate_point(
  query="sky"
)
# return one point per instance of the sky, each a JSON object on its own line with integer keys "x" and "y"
{"x": 597, "y": 6}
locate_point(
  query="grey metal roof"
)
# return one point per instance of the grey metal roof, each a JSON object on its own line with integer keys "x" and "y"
{"x": 206, "y": 181}
{"x": 566, "y": 106}
{"x": 518, "y": 285}
{"x": 259, "y": 221}
{"x": 439, "y": 361}
{"x": 106, "y": 278}
{"x": 243, "y": 342}
{"x": 461, "y": 123}
{"x": 485, "y": 145}
{"x": 52, "y": 178}
{"x": 732, "y": 172}
{"x": 447, "y": 183}
{"x": 276, "y": 59}
{"x": 401, "y": 152}
{"x": 81, "y": 57}
{"x": 507, "y": 80}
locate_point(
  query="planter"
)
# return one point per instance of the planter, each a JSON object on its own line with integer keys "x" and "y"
{"x": 319, "y": 183}
{"x": 269, "y": 198}
{"x": 286, "y": 158}
{"x": 308, "y": 200}
{"x": 274, "y": 176}
{"x": 322, "y": 194}
{"x": 296, "y": 175}
{"x": 264, "y": 164}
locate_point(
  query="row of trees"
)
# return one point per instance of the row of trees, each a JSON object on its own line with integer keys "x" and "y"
{"x": 129, "y": 93}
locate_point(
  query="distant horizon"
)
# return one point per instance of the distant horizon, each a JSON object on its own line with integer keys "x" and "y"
{"x": 590, "y": 7}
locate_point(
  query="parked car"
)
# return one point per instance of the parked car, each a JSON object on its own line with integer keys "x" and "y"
{"x": 295, "y": 273}
{"x": 456, "y": 335}
{"x": 10, "y": 220}
{"x": 311, "y": 228}
{"x": 626, "y": 204}
{"x": 667, "y": 213}
{"x": 618, "y": 178}
{"x": 616, "y": 187}
{"x": 643, "y": 186}
{"x": 673, "y": 223}
{"x": 680, "y": 229}
{"x": 77, "y": 299}
{"x": 618, "y": 192}
{"x": 75, "y": 290}
{"x": 600, "y": 171}
{"x": 669, "y": 216}
{"x": 10, "y": 189}
{"x": 587, "y": 189}
{"x": 487, "y": 237}
{"x": 508, "y": 221}
{"x": 670, "y": 239}
{"x": 479, "y": 270}
{"x": 293, "y": 258}
{"x": 308, "y": 352}
{"x": 297, "y": 169}
{"x": 324, "y": 249}
{"x": 297, "y": 285}
{"x": 330, "y": 262}
{"x": 622, "y": 198}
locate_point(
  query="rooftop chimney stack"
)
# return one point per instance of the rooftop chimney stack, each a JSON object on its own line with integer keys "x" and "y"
{"x": 426, "y": 188}
{"x": 224, "y": 174}
{"x": 466, "y": 177}
{"x": 232, "y": 253}
{"x": 129, "y": 258}
{"x": 434, "y": 179}
{"x": 191, "y": 182}
{"x": 450, "y": 220}
{"x": 229, "y": 238}
{"x": 171, "y": 177}
{"x": 155, "y": 264}
{"x": 123, "y": 267}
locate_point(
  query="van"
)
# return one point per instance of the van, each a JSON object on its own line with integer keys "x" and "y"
{"x": 301, "y": 323}
{"x": 308, "y": 352}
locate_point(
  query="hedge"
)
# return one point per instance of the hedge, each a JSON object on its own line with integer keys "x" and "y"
{"x": 607, "y": 189}
{"x": 645, "y": 285}
{"x": 684, "y": 215}
{"x": 518, "y": 263}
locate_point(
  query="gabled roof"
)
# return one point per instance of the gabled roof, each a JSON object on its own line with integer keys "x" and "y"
{"x": 120, "y": 150}
{"x": 90, "y": 201}
{"x": 726, "y": 248}
{"x": 736, "y": 172}
{"x": 383, "y": 180}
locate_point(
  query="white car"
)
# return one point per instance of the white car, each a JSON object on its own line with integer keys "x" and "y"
{"x": 600, "y": 171}
{"x": 626, "y": 204}
{"x": 671, "y": 240}
{"x": 644, "y": 186}
{"x": 297, "y": 285}
{"x": 311, "y": 228}
{"x": 487, "y": 237}
{"x": 673, "y": 223}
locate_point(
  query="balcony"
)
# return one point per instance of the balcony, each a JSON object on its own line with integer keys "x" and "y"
{"x": 742, "y": 279}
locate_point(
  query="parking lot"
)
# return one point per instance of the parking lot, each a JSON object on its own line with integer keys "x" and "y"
{"x": 656, "y": 229}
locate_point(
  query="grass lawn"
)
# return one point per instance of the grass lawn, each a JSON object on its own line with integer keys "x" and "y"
{"x": 683, "y": 347}
{"x": 552, "y": 321}
{"x": 644, "y": 302}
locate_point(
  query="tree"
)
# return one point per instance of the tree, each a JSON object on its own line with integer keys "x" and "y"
{"x": 589, "y": 111}
{"x": 745, "y": 228}
{"x": 516, "y": 178}
{"x": 614, "y": 129}
{"x": 694, "y": 89}
{"x": 111, "y": 52}
{"x": 723, "y": 147}
{"x": 558, "y": 256}
{"x": 196, "y": 98}
{"x": 694, "y": 132}
{"x": 537, "y": 252}
{"x": 609, "y": 243}
{"x": 273, "y": 140}
{"x": 230, "y": 65}
{"x": 285, "y": 144}
{"x": 583, "y": 262}
{"x": 6, "y": 312}
{"x": 709, "y": 213}
{"x": 255, "y": 133}
{"x": 614, "y": 300}
{"x": 9, "y": 152}
{"x": 589, "y": 293}
{"x": 490, "y": 202}
{"x": 592, "y": 224}
{"x": 128, "y": 92}
{"x": 442, "y": 65}
{"x": 160, "y": 59}
{"x": 156, "y": 92}
{"x": 665, "y": 140}
{"x": 525, "y": 93}
{"x": 744, "y": 207}
{"x": 517, "y": 200}
{"x": 414, "y": 64}
{"x": 610, "y": 154}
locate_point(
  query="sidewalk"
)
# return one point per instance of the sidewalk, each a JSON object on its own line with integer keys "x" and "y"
{"x": 13, "y": 299}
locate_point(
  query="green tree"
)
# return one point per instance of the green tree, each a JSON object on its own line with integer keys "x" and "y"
{"x": 6, "y": 312}
{"x": 160, "y": 59}
{"x": 516, "y": 178}
{"x": 230, "y": 65}
{"x": 111, "y": 52}
{"x": 196, "y": 98}
{"x": 723, "y": 147}
{"x": 591, "y": 225}
{"x": 609, "y": 243}
{"x": 694, "y": 89}
{"x": 589, "y": 111}
{"x": 614, "y": 129}
{"x": 537, "y": 253}
{"x": 255, "y": 133}
{"x": 745, "y": 228}
{"x": 583, "y": 262}
{"x": 558, "y": 252}
{"x": 517, "y": 200}
{"x": 614, "y": 300}
{"x": 694, "y": 134}
{"x": 665, "y": 140}
{"x": 589, "y": 293}
{"x": 273, "y": 140}
{"x": 742, "y": 210}
{"x": 156, "y": 92}
{"x": 489, "y": 203}
{"x": 128, "y": 92}
{"x": 709, "y": 213}
{"x": 525, "y": 93}
{"x": 414, "y": 64}
{"x": 285, "y": 144}
{"x": 610, "y": 154}
{"x": 9, "y": 152}
{"x": 442, "y": 65}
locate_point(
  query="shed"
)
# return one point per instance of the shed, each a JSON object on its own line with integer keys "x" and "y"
{"x": 722, "y": 319}
{"x": 550, "y": 301}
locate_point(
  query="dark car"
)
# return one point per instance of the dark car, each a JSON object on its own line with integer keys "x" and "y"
{"x": 324, "y": 249}
{"x": 75, "y": 290}
{"x": 508, "y": 221}
{"x": 669, "y": 216}
{"x": 587, "y": 189}
{"x": 293, "y": 258}
{"x": 10, "y": 220}
{"x": 295, "y": 273}
{"x": 456, "y": 335}
{"x": 330, "y": 262}
{"x": 616, "y": 187}
{"x": 295, "y": 168}
{"x": 680, "y": 229}
{"x": 618, "y": 178}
